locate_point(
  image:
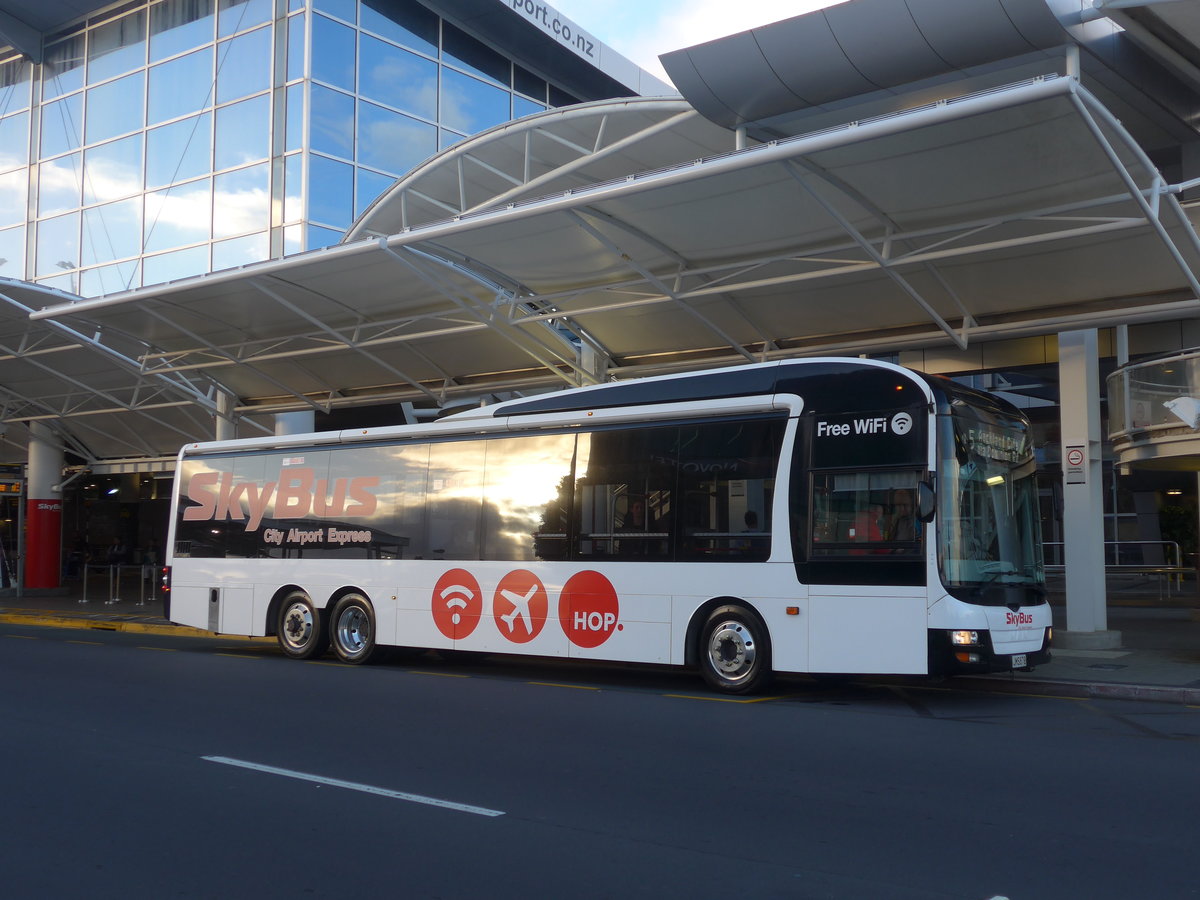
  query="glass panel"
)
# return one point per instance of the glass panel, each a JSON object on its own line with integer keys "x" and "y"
{"x": 241, "y": 251}
{"x": 370, "y": 186}
{"x": 295, "y": 58}
{"x": 525, "y": 502}
{"x": 624, "y": 492}
{"x": 112, "y": 171}
{"x": 293, "y": 187}
{"x": 67, "y": 283}
{"x": 14, "y": 195}
{"x": 179, "y": 25}
{"x": 117, "y": 46}
{"x": 859, "y": 514}
{"x": 62, "y": 67}
{"x": 178, "y": 215}
{"x": 179, "y": 151}
{"x": 293, "y": 239}
{"x": 14, "y": 142}
{"x": 455, "y": 500}
{"x": 397, "y": 78}
{"x": 238, "y": 15}
{"x": 330, "y": 192}
{"x": 12, "y": 252}
{"x": 331, "y": 129}
{"x": 112, "y": 231}
{"x": 172, "y": 266}
{"x": 297, "y": 5}
{"x": 343, "y": 9}
{"x": 60, "y": 184}
{"x": 561, "y": 98}
{"x": 244, "y": 65}
{"x": 58, "y": 244}
{"x": 295, "y": 118}
{"x": 465, "y": 52}
{"x": 15, "y": 79}
{"x": 388, "y": 140}
{"x": 405, "y": 23}
{"x": 110, "y": 279}
{"x": 523, "y": 107}
{"x": 470, "y": 105}
{"x": 181, "y": 86}
{"x": 243, "y": 132}
{"x": 726, "y": 488}
{"x": 333, "y": 53}
{"x": 62, "y": 125}
{"x": 242, "y": 201}
{"x": 115, "y": 108}
{"x": 449, "y": 139}
{"x": 529, "y": 84}
{"x": 316, "y": 237}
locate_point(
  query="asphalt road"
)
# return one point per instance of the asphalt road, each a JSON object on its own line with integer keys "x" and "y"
{"x": 146, "y": 766}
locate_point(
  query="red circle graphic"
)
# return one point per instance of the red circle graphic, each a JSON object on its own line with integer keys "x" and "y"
{"x": 520, "y": 606}
{"x": 457, "y": 604}
{"x": 588, "y": 609}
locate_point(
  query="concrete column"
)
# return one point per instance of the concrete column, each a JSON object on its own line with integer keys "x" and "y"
{"x": 1083, "y": 513}
{"x": 43, "y": 509}
{"x": 226, "y": 428}
{"x": 295, "y": 422}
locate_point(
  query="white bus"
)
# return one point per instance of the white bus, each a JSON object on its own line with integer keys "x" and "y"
{"x": 822, "y": 516}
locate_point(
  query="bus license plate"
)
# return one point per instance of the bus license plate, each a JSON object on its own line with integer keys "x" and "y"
{"x": 1019, "y": 661}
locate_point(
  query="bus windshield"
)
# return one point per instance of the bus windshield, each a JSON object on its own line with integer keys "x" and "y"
{"x": 989, "y": 547}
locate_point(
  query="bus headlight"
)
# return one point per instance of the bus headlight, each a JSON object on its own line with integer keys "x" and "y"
{"x": 964, "y": 638}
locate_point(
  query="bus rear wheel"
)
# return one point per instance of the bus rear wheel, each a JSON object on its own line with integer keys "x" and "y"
{"x": 735, "y": 653}
{"x": 352, "y": 629}
{"x": 300, "y": 631}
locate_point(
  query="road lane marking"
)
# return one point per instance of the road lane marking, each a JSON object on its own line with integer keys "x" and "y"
{"x": 160, "y": 649}
{"x": 89, "y": 643}
{"x": 721, "y": 699}
{"x": 352, "y": 786}
{"x": 439, "y": 674}
{"x": 578, "y": 687}
{"x": 22, "y": 637}
{"x": 239, "y": 655}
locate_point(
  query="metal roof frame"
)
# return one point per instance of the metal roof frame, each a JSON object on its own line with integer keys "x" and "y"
{"x": 827, "y": 242}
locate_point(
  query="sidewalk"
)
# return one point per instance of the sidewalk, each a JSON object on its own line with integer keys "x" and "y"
{"x": 1159, "y": 658}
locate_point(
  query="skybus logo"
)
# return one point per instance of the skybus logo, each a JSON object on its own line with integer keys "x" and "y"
{"x": 299, "y": 494}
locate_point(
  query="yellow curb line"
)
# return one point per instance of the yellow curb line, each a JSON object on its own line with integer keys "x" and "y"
{"x": 129, "y": 627}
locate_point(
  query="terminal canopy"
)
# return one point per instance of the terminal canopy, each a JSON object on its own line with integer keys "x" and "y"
{"x": 627, "y": 238}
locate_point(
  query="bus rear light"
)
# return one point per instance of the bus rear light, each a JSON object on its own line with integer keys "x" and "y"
{"x": 964, "y": 638}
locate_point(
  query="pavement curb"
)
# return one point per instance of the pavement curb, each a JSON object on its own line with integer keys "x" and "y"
{"x": 1089, "y": 690}
{"x": 115, "y": 625}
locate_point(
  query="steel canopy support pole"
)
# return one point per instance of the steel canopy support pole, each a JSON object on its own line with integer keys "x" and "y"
{"x": 1083, "y": 500}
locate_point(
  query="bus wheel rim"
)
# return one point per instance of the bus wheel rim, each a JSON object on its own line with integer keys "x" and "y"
{"x": 354, "y": 629}
{"x": 298, "y": 624}
{"x": 731, "y": 650}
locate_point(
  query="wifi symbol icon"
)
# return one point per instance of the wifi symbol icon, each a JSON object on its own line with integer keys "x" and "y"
{"x": 457, "y": 604}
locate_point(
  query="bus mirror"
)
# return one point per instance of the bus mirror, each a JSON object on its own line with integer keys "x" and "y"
{"x": 925, "y": 501}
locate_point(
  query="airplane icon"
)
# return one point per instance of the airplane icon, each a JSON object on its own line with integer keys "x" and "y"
{"x": 520, "y": 604}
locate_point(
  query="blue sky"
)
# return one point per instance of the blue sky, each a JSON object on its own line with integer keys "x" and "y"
{"x": 642, "y": 29}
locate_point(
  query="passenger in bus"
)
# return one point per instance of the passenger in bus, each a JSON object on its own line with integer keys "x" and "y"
{"x": 637, "y": 525}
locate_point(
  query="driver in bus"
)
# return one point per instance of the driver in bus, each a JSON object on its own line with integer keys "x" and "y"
{"x": 902, "y": 519}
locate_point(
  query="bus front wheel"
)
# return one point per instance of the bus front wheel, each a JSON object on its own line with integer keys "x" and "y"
{"x": 735, "y": 653}
{"x": 352, "y": 629}
{"x": 300, "y": 631}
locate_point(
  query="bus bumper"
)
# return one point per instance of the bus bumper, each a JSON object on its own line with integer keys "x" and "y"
{"x": 951, "y": 652}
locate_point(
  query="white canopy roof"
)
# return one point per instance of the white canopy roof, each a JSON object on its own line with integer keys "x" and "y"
{"x": 627, "y": 238}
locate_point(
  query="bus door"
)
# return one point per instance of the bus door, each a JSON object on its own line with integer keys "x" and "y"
{"x": 857, "y": 542}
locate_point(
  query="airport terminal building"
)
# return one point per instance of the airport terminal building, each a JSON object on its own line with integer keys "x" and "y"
{"x": 224, "y": 218}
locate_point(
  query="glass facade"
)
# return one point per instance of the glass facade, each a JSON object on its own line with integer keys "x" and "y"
{"x": 162, "y": 140}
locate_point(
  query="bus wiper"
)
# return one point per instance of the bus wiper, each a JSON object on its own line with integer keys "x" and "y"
{"x": 992, "y": 571}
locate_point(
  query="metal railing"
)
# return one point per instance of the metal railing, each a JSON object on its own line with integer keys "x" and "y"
{"x": 119, "y": 579}
{"x": 1120, "y": 554}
